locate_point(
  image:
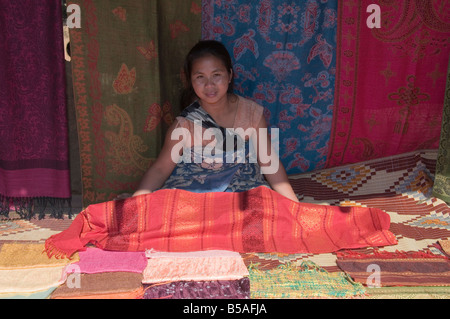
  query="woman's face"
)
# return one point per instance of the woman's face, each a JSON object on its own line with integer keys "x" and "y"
{"x": 210, "y": 79}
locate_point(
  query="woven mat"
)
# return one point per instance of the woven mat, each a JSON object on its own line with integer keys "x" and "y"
{"x": 400, "y": 185}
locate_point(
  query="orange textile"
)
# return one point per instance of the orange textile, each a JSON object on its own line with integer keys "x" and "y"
{"x": 257, "y": 220}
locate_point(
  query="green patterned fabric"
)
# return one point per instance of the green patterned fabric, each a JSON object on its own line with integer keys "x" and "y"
{"x": 306, "y": 281}
{"x": 127, "y": 61}
{"x": 441, "y": 188}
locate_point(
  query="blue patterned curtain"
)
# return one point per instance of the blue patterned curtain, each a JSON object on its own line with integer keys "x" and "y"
{"x": 285, "y": 59}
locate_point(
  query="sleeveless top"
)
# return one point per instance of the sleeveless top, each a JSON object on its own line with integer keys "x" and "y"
{"x": 217, "y": 159}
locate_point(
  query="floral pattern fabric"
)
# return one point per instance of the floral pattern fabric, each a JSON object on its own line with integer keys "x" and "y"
{"x": 340, "y": 88}
{"x": 127, "y": 61}
{"x": 284, "y": 59}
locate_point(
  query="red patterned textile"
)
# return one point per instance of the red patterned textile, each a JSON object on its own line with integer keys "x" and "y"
{"x": 258, "y": 220}
{"x": 390, "y": 81}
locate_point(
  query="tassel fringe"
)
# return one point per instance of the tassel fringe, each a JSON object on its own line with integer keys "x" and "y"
{"x": 52, "y": 251}
{"x": 28, "y": 208}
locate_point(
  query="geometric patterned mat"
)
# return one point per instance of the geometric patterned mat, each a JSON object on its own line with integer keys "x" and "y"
{"x": 400, "y": 185}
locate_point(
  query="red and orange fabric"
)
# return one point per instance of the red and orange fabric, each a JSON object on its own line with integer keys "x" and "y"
{"x": 258, "y": 220}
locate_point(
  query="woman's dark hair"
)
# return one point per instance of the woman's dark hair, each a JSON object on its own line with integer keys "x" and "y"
{"x": 201, "y": 49}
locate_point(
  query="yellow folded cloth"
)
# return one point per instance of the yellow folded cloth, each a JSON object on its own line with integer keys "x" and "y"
{"x": 29, "y": 255}
{"x": 24, "y": 268}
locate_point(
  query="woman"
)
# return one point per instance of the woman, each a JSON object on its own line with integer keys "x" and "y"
{"x": 219, "y": 142}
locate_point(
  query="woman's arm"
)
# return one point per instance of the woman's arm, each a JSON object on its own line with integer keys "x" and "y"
{"x": 271, "y": 166}
{"x": 163, "y": 166}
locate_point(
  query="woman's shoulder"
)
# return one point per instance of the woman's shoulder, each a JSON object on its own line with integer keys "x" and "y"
{"x": 246, "y": 102}
{"x": 250, "y": 112}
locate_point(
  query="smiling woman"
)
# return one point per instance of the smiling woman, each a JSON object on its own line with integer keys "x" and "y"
{"x": 210, "y": 81}
{"x": 229, "y": 121}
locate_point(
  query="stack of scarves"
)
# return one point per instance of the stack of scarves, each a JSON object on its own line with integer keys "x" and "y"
{"x": 378, "y": 269}
{"x": 101, "y": 274}
{"x": 27, "y": 273}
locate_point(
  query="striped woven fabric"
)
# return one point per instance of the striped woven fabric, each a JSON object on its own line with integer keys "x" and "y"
{"x": 258, "y": 220}
{"x": 388, "y": 269}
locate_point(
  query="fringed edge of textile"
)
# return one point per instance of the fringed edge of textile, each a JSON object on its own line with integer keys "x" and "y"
{"x": 52, "y": 251}
{"x": 29, "y": 207}
{"x": 66, "y": 243}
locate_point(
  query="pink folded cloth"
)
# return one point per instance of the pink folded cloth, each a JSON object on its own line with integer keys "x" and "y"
{"x": 193, "y": 266}
{"x": 95, "y": 260}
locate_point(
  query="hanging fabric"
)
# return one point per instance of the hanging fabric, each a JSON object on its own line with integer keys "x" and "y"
{"x": 284, "y": 55}
{"x": 127, "y": 59}
{"x": 34, "y": 152}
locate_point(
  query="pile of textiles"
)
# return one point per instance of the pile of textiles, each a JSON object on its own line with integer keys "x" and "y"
{"x": 399, "y": 274}
{"x": 101, "y": 274}
{"x": 27, "y": 272}
{"x": 390, "y": 269}
{"x": 215, "y": 274}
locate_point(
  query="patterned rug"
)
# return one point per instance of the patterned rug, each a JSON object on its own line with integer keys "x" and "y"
{"x": 390, "y": 61}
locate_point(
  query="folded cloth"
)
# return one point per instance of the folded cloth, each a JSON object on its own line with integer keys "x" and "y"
{"x": 26, "y": 269}
{"x": 445, "y": 245}
{"x": 44, "y": 294}
{"x": 217, "y": 289}
{"x": 95, "y": 260}
{"x": 30, "y": 280}
{"x": 194, "y": 266}
{"x": 28, "y": 255}
{"x": 307, "y": 281}
{"x": 108, "y": 285}
{"x": 257, "y": 220}
{"x": 387, "y": 269}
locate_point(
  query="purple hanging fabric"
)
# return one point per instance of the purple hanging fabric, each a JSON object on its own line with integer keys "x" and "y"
{"x": 34, "y": 154}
